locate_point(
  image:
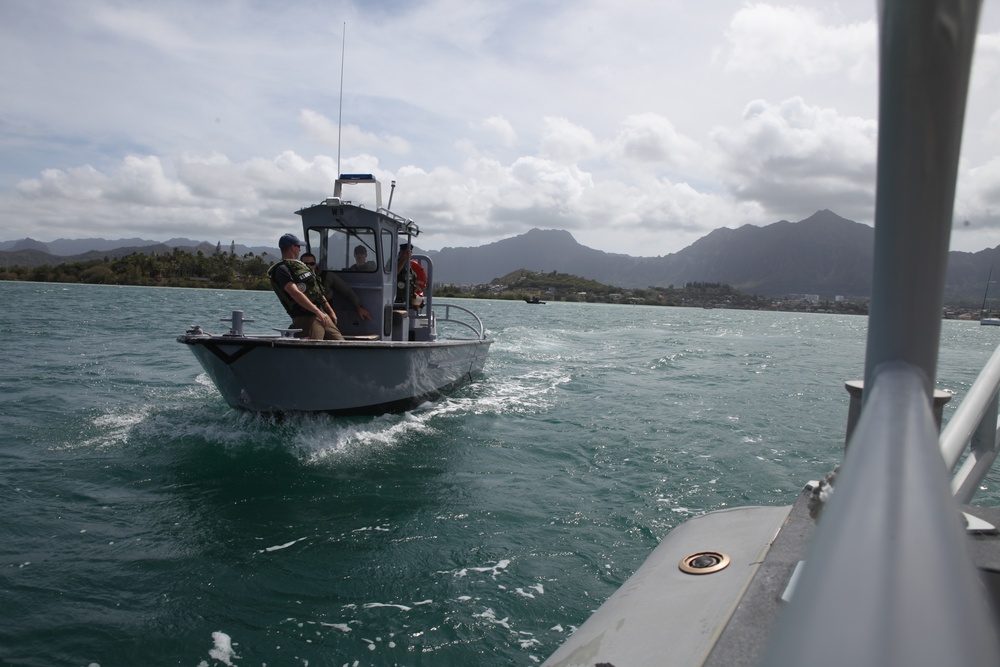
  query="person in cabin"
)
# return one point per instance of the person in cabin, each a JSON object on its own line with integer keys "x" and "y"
{"x": 361, "y": 262}
{"x": 336, "y": 284}
{"x": 301, "y": 293}
{"x": 403, "y": 270}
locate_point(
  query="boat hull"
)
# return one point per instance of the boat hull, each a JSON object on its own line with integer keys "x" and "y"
{"x": 263, "y": 374}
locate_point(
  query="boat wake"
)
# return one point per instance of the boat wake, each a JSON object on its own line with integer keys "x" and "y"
{"x": 326, "y": 440}
{"x": 196, "y": 417}
{"x": 531, "y": 393}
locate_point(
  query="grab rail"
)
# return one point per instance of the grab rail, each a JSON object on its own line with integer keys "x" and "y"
{"x": 403, "y": 224}
{"x": 479, "y": 330}
{"x": 974, "y": 426}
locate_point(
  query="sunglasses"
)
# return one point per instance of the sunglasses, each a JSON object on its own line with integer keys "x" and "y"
{"x": 309, "y": 263}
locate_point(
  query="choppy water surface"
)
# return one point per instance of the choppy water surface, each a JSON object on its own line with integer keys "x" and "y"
{"x": 145, "y": 522}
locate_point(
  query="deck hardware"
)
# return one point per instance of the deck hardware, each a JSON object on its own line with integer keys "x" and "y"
{"x": 237, "y": 322}
{"x": 704, "y": 562}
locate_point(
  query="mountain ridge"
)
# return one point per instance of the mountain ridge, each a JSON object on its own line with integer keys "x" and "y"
{"x": 823, "y": 254}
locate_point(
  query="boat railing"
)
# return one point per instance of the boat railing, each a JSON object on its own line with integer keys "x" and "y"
{"x": 888, "y": 577}
{"x": 405, "y": 225}
{"x": 973, "y": 427}
{"x": 890, "y": 527}
{"x": 477, "y": 328}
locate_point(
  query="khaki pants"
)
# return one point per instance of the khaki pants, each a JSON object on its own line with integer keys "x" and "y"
{"x": 313, "y": 328}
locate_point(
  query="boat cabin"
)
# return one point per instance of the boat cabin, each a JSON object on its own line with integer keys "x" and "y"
{"x": 357, "y": 251}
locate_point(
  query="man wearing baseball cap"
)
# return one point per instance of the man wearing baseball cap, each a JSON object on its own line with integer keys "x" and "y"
{"x": 301, "y": 293}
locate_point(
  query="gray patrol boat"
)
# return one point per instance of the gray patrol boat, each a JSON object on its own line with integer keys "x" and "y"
{"x": 398, "y": 359}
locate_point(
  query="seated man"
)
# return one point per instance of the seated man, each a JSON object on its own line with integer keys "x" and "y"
{"x": 360, "y": 260}
{"x": 333, "y": 283}
{"x": 301, "y": 293}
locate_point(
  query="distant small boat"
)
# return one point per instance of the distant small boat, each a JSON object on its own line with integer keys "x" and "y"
{"x": 533, "y": 299}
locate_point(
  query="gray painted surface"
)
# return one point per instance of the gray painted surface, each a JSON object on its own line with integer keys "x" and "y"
{"x": 662, "y": 616}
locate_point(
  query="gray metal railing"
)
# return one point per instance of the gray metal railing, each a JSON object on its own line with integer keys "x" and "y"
{"x": 974, "y": 427}
{"x": 888, "y": 578}
{"x": 477, "y": 329}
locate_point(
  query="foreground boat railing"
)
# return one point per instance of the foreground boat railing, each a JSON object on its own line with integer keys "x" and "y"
{"x": 888, "y": 578}
{"x": 974, "y": 425}
{"x": 478, "y": 329}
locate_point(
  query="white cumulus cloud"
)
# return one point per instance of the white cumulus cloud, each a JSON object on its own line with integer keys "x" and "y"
{"x": 791, "y": 156}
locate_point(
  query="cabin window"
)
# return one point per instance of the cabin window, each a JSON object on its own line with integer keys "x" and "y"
{"x": 387, "y": 250}
{"x": 352, "y": 249}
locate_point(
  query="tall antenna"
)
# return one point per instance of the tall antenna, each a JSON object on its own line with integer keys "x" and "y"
{"x": 340, "y": 112}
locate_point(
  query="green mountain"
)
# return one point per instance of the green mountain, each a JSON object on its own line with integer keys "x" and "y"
{"x": 824, "y": 254}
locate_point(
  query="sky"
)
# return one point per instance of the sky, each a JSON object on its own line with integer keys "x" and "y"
{"x": 639, "y": 125}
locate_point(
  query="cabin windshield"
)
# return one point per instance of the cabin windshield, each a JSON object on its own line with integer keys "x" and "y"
{"x": 352, "y": 249}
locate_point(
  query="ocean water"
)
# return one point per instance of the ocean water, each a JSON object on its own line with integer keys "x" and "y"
{"x": 146, "y": 523}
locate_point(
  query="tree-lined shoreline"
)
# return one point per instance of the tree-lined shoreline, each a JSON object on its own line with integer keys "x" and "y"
{"x": 226, "y": 270}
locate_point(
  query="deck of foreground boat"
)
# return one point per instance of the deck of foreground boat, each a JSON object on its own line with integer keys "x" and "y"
{"x": 766, "y": 545}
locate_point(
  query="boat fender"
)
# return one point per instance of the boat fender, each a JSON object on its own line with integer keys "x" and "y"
{"x": 420, "y": 277}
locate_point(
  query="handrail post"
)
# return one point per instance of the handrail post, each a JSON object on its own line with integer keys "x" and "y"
{"x": 983, "y": 451}
{"x": 984, "y": 440}
{"x": 971, "y": 413}
{"x": 856, "y": 389}
{"x": 926, "y": 55}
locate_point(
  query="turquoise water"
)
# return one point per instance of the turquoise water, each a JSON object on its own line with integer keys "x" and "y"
{"x": 145, "y": 522}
